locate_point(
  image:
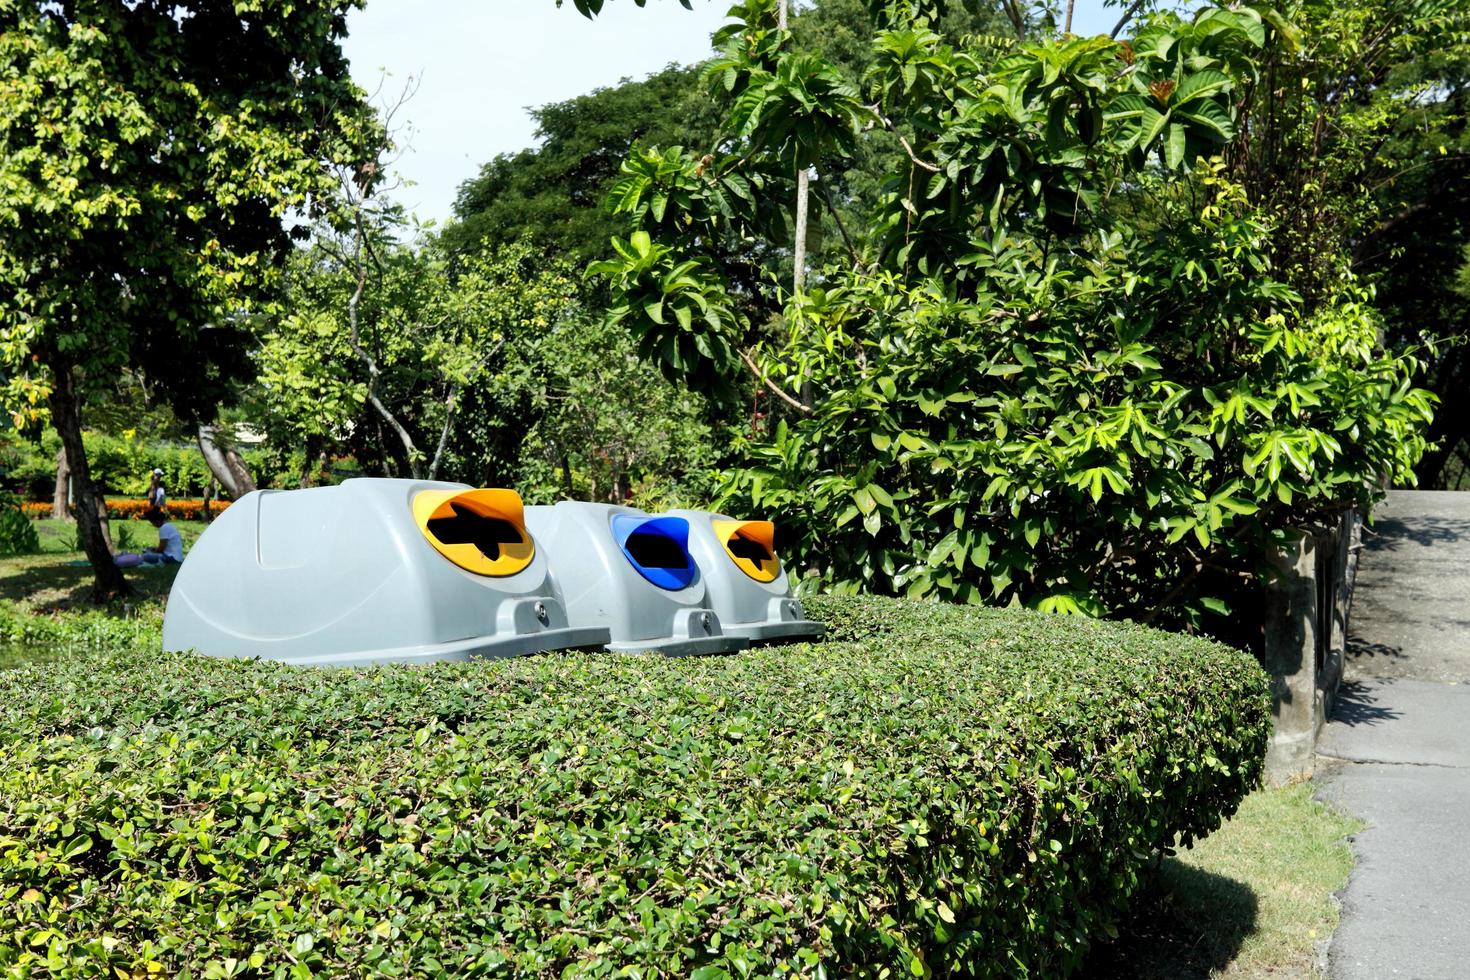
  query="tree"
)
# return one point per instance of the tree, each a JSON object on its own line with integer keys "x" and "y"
{"x": 551, "y": 195}
{"x": 1355, "y": 145}
{"x": 609, "y": 427}
{"x": 151, "y": 152}
{"x": 490, "y": 364}
{"x": 383, "y": 345}
{"x": 1397, "y": 165}
{"x": 1333, "y": 93}
{"x": 1059, "y": 368}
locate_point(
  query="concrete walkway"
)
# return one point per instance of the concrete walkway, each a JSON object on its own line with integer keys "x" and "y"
{"x": 1397, "y": 750}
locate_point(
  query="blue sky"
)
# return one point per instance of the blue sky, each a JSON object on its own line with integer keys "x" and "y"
{"x": 479, "y": 64}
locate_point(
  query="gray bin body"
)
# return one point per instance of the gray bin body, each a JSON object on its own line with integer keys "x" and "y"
{"x": 600, "y": 585}
{"x": 345, "y": 576}
{"x": 764, "y": 612}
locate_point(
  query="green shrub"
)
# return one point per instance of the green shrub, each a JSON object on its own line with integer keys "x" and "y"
{"x": 1060, "y": 366}
{"x": 119, "y": 464}
{"x": 17, "y": 534}
{"x": 936, "y": 791}
{"x": 74, "y": 633}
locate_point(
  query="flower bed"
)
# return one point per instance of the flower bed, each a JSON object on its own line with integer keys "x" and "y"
{"x": 128, "y": 508}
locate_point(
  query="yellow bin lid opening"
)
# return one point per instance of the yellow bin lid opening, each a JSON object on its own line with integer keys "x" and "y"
{"x": 751, "y": 545}
{"x": 481, "y": 531}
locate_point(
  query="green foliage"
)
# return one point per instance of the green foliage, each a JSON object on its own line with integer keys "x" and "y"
{"x": 551, "y": 195}
{"x": 610, "y": 426}
{"x": 17, "y": 533}
{"x": 90, "y": 632}
{"x": 123, "y": 538}
{"x": 678, "y": 308}
{"x": 125, "y": 465}
{"x": 1116, "y": 445}
{"x": 492, "y": 365}
{"x": 435, "y": 331}
{"x": 144, "y": 176}
{"x": 1063, "y": 372}
{"x": 120, "y": 464}
{"x": 27, "y": 470}
{"x": 937, "y": 791}
{"x": 1369, "y": 81}
{"x": 1394, "y": 171}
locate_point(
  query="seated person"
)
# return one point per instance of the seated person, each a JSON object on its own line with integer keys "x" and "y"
{"x": 168, "y": 551}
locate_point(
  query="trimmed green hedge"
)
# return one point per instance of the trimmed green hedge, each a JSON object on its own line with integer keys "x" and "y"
{"x": 938, "y": 790}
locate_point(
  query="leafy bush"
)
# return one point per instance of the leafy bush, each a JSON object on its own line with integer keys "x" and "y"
{"x": 76, "y": 633}
{"x": 1120, "y": 443}
{"x": 120, "y": 464}
{"x": 1059, "y": 364}
{"x": 936, "y": 791}
{"x": 124, "y": 465}
{"x": 26, "y": 469}
{"x": 124, "y": 537}
{"x": 17, "y": 534}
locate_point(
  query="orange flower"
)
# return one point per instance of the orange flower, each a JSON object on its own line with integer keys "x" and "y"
{"x": 1162, "y": 89}
{"x": 183, "y": 510}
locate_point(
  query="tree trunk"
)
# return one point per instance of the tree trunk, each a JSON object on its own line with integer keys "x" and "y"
{"x": 59, "y": 501}
{"x": 226, "y": 465}
{"x": 409, "y": 449}
{"x": 308, "y": 457}
{"x": 107, "y": 579}
{"x": 103, "y": 524}
{"x": 209, "y": 498}
{"x": 798, "y": 277}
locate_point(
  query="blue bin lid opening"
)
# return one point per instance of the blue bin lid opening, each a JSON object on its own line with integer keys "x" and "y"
{"x": 658, "y": 547}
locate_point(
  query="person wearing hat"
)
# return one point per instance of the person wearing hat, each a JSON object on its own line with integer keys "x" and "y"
{"x": 156, "y": 495}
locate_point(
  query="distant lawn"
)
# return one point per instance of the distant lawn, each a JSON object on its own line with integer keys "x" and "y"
{"x": 54, "y": 580}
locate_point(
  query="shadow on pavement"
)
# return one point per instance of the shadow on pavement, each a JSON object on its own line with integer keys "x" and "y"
{"x": 1358, "y": 704}
{"x": 1185, "y": 923}
{"x": 1359, "y": 649}
{"x": 1388, "y": 534}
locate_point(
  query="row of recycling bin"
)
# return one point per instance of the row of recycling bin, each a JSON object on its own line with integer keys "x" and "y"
{"x": 377, "y": 571}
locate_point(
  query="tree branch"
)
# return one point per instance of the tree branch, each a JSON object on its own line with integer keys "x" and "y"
{"x": 449, "y": 406}
{"x": 354, "y": 339}
{"x": 1128, "y": 14}
{"x": 788, "y": 399}
{"x": 888, "y": 125}
{"x": 857, "y": 260}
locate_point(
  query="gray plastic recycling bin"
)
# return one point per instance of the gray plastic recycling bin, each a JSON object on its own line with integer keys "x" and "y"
{"x": 371, "y": 571}
{"x": 747, "y": 585}
{"x": 631, "y": 571}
